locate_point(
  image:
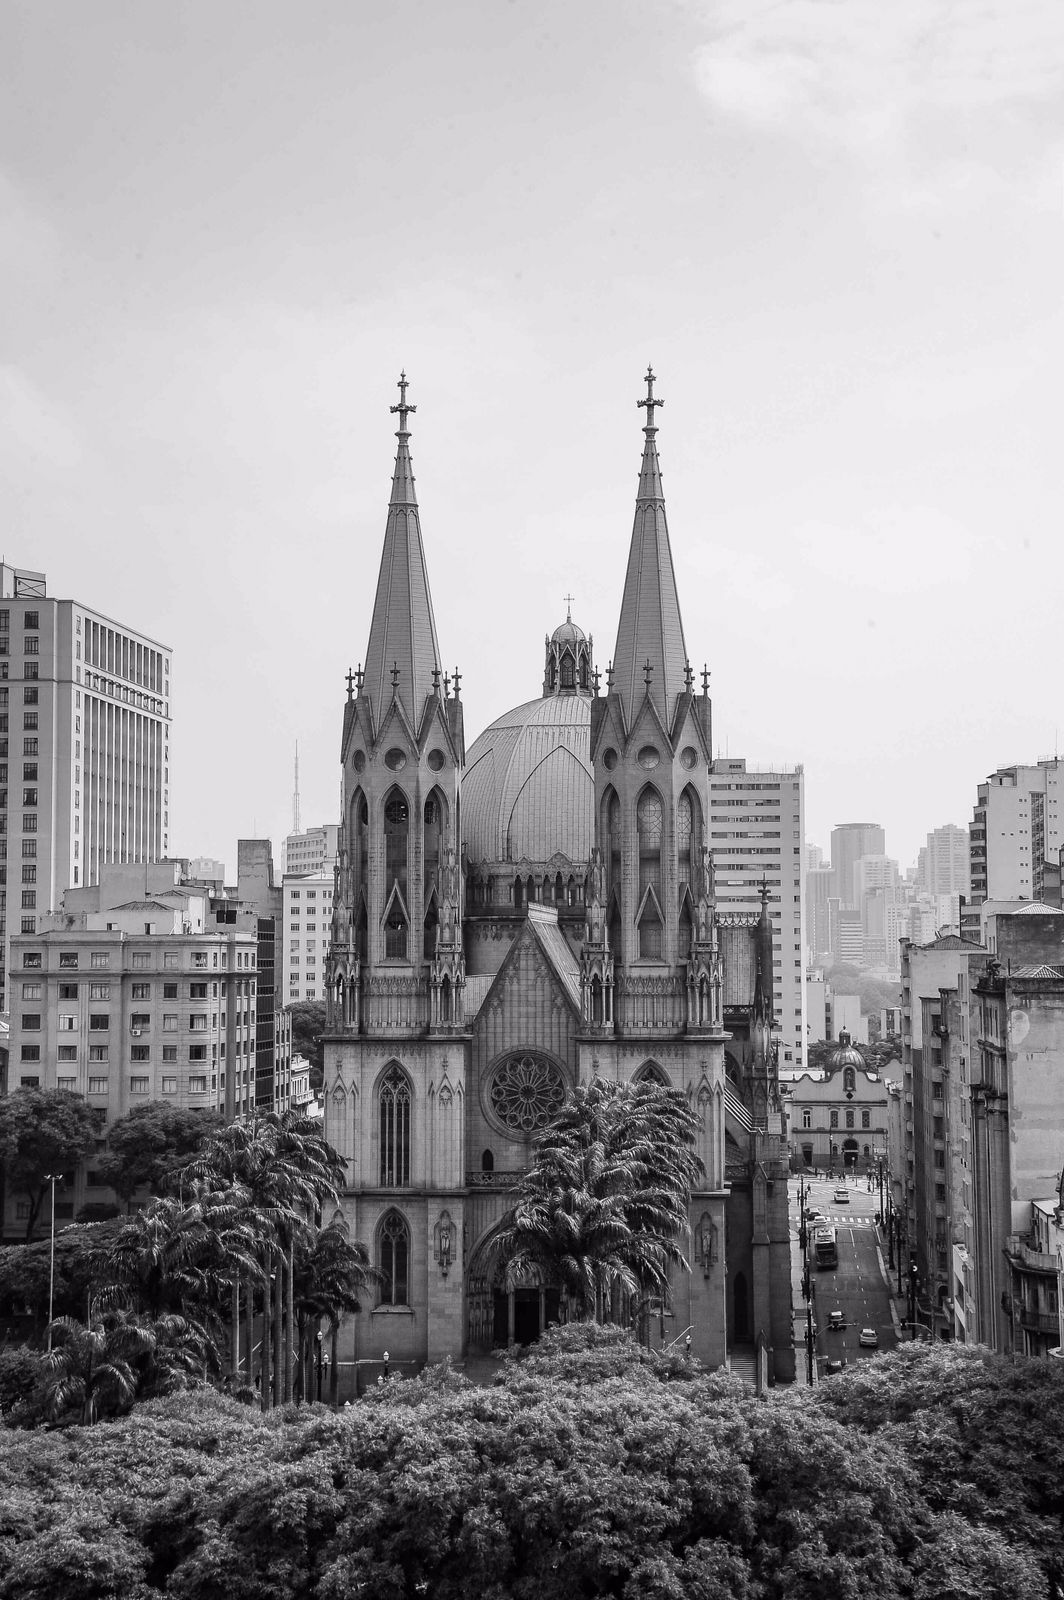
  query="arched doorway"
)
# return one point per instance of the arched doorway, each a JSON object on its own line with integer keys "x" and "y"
{"x": 850, "y": 1152}
{"x": 498, "y": 1315}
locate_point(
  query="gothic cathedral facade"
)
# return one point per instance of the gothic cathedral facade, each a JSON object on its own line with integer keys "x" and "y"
{"x": 510, "y": 921}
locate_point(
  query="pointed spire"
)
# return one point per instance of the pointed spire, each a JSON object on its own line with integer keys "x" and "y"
{"x": 402, "y": 637}
{"x": 650, "y": 658}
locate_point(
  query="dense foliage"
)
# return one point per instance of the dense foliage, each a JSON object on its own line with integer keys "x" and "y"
{"x": 594, "y": 1468}
{"x": 308, "y": 1027}
{"x": 145, "y": 1148}
{"x": 43, "y": 1132}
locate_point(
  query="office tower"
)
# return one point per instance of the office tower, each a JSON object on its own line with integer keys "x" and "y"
{"x": 849, "y": 842}
{"x": 312, "y": 852}
{"x": 944, "y": 865}
{"x": 757, "y": 823}
{"x": 84, "y": 748}
{"x": 307, "y": 919}
{"x": 1017, "y": 831}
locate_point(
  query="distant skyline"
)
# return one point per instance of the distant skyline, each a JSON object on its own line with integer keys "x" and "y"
{"x": 835, "y": 232}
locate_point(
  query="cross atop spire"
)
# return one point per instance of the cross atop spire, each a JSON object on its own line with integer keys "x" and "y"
{"x": 403, "y": 409}
{"x": 568, "y": 598}
{"x": 649, "y": 403}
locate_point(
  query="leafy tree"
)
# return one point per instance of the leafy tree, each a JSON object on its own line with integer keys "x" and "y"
{"x": 43, "y": 1131}
{"x": 80, "y": 1267}
{"x": 308, "y": 1026}
{"x": 148, "y": 1145}
{"x": 332, "y": 1274}
{"x": 606, "y": 1198}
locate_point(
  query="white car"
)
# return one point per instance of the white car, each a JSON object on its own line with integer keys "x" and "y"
{"x": 842, "y": 1197}
{"x": 868, "y": 1339}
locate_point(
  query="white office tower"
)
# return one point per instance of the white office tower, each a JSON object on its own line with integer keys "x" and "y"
{"x": 1016, "y": 834}
{"x": 84, "y": 749}
{"x": 757, "y": 825}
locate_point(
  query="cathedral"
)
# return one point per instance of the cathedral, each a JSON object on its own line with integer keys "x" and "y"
{"x": 514, "y": 918}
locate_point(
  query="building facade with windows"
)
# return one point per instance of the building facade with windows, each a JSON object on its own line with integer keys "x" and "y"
{"x": 513, "y": 920}
{"x": 307, "y": 920}
{"x": 1017, "y": 833}
{"x": 137, "y": 1003}
{"x": 311, "y": 853}
{"x": 84, "y": 748}
{"x": 757, "y": 824}
{"x": 839, "y": 1116}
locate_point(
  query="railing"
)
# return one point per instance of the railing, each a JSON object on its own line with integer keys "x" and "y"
{"x": 650, "y": 1004}
{"x": 1038, "y": 1260}
{"x": 492, "y": 1180}
{"x": 1039, "y": 1321}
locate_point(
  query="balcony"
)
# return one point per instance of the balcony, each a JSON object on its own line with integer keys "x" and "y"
{"x": 1021, "y": 1254}
{"x": 1039, "y": 1321}
{"x": 492, "y": 1180}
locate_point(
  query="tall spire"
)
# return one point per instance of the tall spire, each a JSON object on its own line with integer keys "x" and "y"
{"x": 403, "y": 650}
{"x": 651, "y": 657}
{"x": 295, "y": 796}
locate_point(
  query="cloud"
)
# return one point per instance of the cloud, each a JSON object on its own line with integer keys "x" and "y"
{"x": 869, "y": 75}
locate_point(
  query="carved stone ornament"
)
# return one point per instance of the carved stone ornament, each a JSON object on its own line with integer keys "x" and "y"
{"x": 525, "y": 1092}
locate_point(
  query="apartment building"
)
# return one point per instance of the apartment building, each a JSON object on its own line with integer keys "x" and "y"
{"x": 849, "y": 842}
{"x": 757, "y": 825}
{"x": 308, "y": 904}
{"x": 84, "y": 749}
{"x": 1016, "y": 836}
{"x": 312, "y": 853}
{"x": 142, "y": 1001}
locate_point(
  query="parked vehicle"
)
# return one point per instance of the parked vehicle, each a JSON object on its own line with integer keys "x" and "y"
{"x": 868, "y": 1339}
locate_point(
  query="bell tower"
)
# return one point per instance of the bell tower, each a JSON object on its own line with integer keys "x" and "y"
{"x": 396, "y": 955}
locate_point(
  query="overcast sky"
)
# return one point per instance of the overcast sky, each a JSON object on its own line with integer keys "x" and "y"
{"x": 834, "y": 227}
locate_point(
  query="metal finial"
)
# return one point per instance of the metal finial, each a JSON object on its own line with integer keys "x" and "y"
{"x": 457, "y": 682}
{"x": 705, "y": 680}
{"x": 647, "y": 670}
{"x": 395, "y": 674}
{"x": 649, "y": 403}
{"x": 403, "y": 409}
{"x": 595, "y": 680}
{"x": 688, "y": 677}
{"x": 350, "y": 684}
{"x": 436, "y": 679}
{"x": 609, "y": 676}
{"x": 360, "y": 677}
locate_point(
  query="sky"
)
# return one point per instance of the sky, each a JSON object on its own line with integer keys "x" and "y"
{"x": 833, "y": 228}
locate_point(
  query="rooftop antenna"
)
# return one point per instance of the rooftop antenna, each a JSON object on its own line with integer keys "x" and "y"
{"x": 295, "y": 796}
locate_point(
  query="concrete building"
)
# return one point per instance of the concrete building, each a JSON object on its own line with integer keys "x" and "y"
{"x": 943, "y": 866}
{"x": 313, "y": 853}
{"x": 816, "y": 1008}
{"x": 1017, "y": 828}
{"x": 819, "y": 889}
{"x": 255, "y": 906}
{"x": 849, "y": 842}
{"x": 513, "y": 921}
{"x": 307, "y": 919}
{"x": 757, "y": 822}
{"x": 136, "y": 1002}
{"x": 839, "y": 1116}
{"x": 84, "y": 749}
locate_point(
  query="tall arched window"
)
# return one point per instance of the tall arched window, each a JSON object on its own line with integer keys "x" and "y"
{"x": 395, "y": 1129}
{"x": 849, "y": 1080}
{"x": 612, "y": 841}
{"x": 648, "y": 821}
{"x": 394, "y": 1260}
{"x": 688, "y": 836}
{"x": 435, "y": 829}
{"x": 568, "y": 672}
{"x": 360, "y": 864}
{"x": 396, "y": 844}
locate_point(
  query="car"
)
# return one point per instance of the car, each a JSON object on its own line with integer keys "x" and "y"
{"x": 836, "y": 1364}
{"x": 841, "y": 1197}
{"x": 836, "y": 1320}
{"x": 813, "y": 1215}
{"x": 868, "y": 1339}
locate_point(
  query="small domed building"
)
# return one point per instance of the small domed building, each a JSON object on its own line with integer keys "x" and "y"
{"x": 839, "y": 1115}
{"x": 510, "y": 921}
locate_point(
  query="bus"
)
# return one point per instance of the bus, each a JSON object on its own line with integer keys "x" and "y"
{"x": 823, "y": 1247}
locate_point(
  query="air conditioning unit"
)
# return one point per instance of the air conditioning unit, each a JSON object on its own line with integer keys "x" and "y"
{"x": 136, "y": 1032}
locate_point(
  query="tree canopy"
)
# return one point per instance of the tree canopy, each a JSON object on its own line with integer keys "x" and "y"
{"x": 43, "y": 1131}
{"x": 148, "y": 1145}
{"x": 308, "y": 1026}
{"x": 592, "y": 1468}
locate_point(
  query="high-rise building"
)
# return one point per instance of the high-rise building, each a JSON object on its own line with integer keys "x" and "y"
{"x": 819, "y": 889}
{"x": 84, "y": 748}
{"x": 849, "y": 842}
{"x": 943, "y": 865}
{"x": 307, "y": 920}
{"x": 757, "y": 825}
{"x": 312, "y": 852}
{"x": 1017, "y": 828}
{"x": 513, "y": 922}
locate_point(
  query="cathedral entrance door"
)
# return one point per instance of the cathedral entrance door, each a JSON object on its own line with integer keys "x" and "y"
{"x": 527, "y": 1315}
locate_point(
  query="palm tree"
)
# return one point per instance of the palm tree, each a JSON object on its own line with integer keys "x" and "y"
{"x": 332, "y": 1275}
{"x": 606, "y": 1200}
{"x": 119, "y": 1356}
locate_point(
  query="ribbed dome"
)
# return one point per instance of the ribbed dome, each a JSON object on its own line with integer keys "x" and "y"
{"x": 846, "y": 1055}
{"x": 528, "y": 789}
{"x": 567, "y": 632}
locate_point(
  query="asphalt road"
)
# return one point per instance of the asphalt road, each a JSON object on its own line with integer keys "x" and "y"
{"x": 855, "y": 1287}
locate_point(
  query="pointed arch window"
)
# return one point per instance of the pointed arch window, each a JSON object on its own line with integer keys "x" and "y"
{"x": 688, "y": 836}
{"x": 649, "y": 821}
{"x": 849, "y": 1080}
{"x": 396, "y": 839}
{"x": 393, "y": 1253}
{"x": 687, "y": 924}
{"x": 568, "y": 671}
{"x": 435, "y": 828}
{"x": 432, "y": 922}
{"x": 650, "y": 1072}
{"x": 360, "y": 864}
{"x": 395, "y": 1129}
{"x": 612, "y": 852}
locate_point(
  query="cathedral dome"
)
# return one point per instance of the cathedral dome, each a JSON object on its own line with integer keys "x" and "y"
{"x": 568, "y": 632}
{"x": 528, "y": 790}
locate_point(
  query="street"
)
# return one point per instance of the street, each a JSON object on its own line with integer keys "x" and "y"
{"x": 856, "y": 1286}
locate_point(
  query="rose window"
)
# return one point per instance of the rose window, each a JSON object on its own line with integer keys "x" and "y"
{"x": 526, "y": 1091}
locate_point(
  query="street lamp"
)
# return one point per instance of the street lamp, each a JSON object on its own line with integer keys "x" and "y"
{"x": 53, "y": 1178}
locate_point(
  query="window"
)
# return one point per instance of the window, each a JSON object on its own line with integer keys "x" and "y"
{"x": 139, "y": 1020}
{"x": 98, "y": 1052}
{"x": 100, "y": 958}
{"x": 197, "y": 1085}
{"x": 31, "y": 1021}
{"x": 866, "y": 1119}
{"x": 97, "y": 1085}
{"x": 140, "y": 991}
{"x": 29, "y": 1083}
{"x": 849, "y": 1119}
{"x": 30, "y": 719}
{"x": 199, "y": 958}
{"x": 68, "y": 959}
{"x": 67, "y": 1052}
{"x": 99, "y": 1021}
{"x": 648, "y": 916}
{"x": 67, "y": 1022}
{"x": 31, "y": 1052}
{"x": 169, "y": 1022}
{"x": 31, "y": 991}
{"x": 197, "y": 991}
{"x": 169, "y": 1086}
{"x": 28, "y": 925}
{"x": 141, "y": 960}
{"x": 197, "y": 1052}
{"x": 171, "y": 959}
{"x": 197, "y": 1022}
{"x": 807, "y": 1117}
{"x": 29, "y": 798}
{"x": 394, "y": 1260}
{"x": 31, "y": 621}
{"x": 69, "y": 1084}
{"x": 139, "y": 1085}
{"x": 29, "y": 747}
{"x": 169, "y": 991}
{"x": 833, "y": 1119}
{"x": 169, "y": 1052}
{"x": 29, "y": 774}
{"x": 395, "y": 1129}
{"x": 140, "y": 1052}
{"x": 68, "y": 991}
{"x": 31, "y": 959}
{"x": 101, "y": 991}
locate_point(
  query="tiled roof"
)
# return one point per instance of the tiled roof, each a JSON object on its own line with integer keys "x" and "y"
{"x": 1042, "y": 971}
{"x": 556, "y": 949}
{"x": 1038, "y": 908}
{"x": 528, "y": 789}
{"x": 953, "y": 941}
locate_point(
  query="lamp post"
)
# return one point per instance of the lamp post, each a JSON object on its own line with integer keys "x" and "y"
{"x": 319, "y": 1337}
{"x": 53, "y": 1178}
